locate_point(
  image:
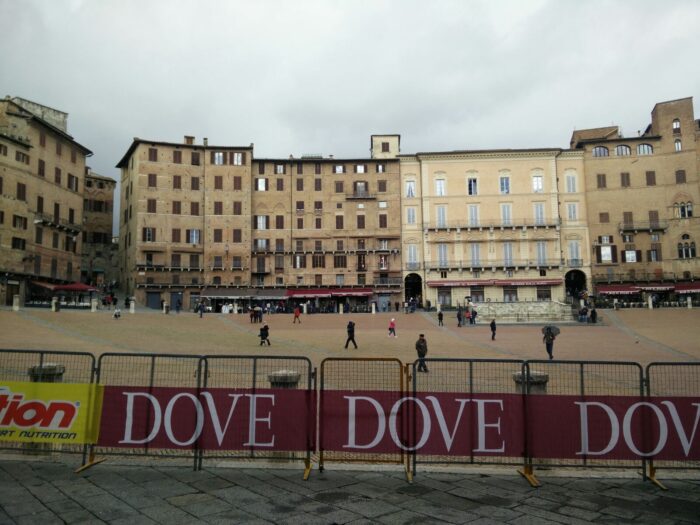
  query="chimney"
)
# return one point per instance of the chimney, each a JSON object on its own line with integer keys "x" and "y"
{"x": 205, "y": 141}
{"x": 330, "y": 156}
{"x": 189, "y": 140}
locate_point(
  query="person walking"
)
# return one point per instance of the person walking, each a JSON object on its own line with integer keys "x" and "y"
{"x": 492, "y": 325}
{"x": 201, "y": 308}
{"x": 422, "y": 350}
{"x": 178, "y": 306}
{"x": 351, "y": 335}
{"x": 297, "y": 315}
{"x": 392, "y": 328}
{"x": 265, "y": 335}
{"x": 548, "y": 340}
{"x": 459, "y": 317}
{"x": 440, "y": 317}
{"x": 474, "y": 314}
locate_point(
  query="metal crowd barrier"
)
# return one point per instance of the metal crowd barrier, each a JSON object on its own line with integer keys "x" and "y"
{"x": 149, "y": 371}
{"x": 44, "y": 366}
{"x": 673, "y": 380}
{"x": 361, "y": 374}
{"x": 254, "y": 373}
{"x": 528, "y": 380}
{"x": 471, "y": 377}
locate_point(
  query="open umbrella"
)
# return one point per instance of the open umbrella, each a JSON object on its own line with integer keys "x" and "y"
{"x": 553, "y": 329}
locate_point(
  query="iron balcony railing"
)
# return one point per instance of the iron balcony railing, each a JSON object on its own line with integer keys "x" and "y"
{"x": 496, "y": 263}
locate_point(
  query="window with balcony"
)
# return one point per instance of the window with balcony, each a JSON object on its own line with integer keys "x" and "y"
{"x": 538, "y": 209}
{"x": 506, "y": 214}
{"x": 475, "y": 254}
{"x": 473, "y": 211}
{"x": 508, "y": 253}
{"x": 442, "y": 255}
{"x": 441, "y": 216}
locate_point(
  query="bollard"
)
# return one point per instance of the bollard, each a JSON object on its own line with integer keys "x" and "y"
{"x": 374, "y": 308}
{"x": 284, "y": 379}
{"x": 45, "y": 373}
{"x": 15, "y": 303}
{"x": 235, "y": 308}
{"x": 132, "y": 306}
{"x": 93, "y": 305}
{"x": 166, "y": 308}
{"x": 55, "y": 305}
{"x": 689, "y": 302}
{"x": 537, "y": 383}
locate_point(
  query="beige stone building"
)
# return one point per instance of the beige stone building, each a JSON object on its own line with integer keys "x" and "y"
{"x": 640, "y": 193}
{"x": 42, "y": 171}
{"x": 184, "y": 219}
{"x": 100, "y": 264}
{"x": 212, "y": 223}
{"x": 492, "y": 226}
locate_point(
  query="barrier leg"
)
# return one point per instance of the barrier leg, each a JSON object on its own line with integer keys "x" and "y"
{"x": 652, "y": 477}
{"x": 529, "y": 474}
{"x": 90, "y": 462}
{"x": 307, "y": 468}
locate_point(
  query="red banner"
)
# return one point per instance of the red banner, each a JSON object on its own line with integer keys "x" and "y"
{"x": 565, "y": 427}
{"x": 211, "y": 419}
{"x": 445, "y": 423}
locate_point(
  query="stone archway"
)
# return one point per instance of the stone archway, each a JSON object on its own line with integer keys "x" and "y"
{"x": 575, "y": 281}
{"x": 413, "y": 286}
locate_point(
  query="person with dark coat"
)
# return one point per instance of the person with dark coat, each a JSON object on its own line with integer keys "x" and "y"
{"x": 493, "y": 329}
{"x": 440, "y": 317}
{"x": 594, "y": 315}
{"x": 422, "y": 350}
{"x": 351, "y": 335}
{"x": 201, "y": 309}
{"x": 459, "y": 317}
{"x": 548, "y": 340}
{"x": 265, "y": 335}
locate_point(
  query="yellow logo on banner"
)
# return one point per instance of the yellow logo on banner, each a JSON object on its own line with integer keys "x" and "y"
{"x": 50, "y": 412}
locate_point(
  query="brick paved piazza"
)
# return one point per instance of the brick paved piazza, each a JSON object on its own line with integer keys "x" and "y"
{"x": 628, "y": 335}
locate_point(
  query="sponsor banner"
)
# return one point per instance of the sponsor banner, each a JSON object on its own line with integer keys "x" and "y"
{"x": 49, "y": 412}
{"x": 607, "y": 427}
{"x": 564, "y": 427}
{"x": 210, "y": 419}
{"x": 445, "y": 423}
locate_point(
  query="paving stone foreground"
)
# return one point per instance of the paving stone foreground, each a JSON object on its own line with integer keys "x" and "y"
{"x": 48, "y": 493}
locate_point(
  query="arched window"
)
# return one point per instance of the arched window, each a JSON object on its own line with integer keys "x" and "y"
{"x": 685, "y": 210}
{"x": 677, "y": 144}
{"x": 686, "y": 248}
{"x": 600, "y": 151}
{"x": 645, "y": 149}
{"x": 676, "y": 125}
{"x": 623, "y": 150}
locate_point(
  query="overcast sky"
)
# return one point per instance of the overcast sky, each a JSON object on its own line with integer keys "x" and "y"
{"x": 320, "y": 77}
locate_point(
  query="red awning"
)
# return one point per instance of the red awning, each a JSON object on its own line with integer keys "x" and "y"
{"x": 656, "y": 287}
{"x": 693, "y": 287}
{"x": 451, "y": 284}
{"x": 617, "y": 289}
{"x": 75, "y": 287}
{"x": 528, "y": 282}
